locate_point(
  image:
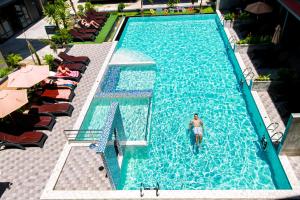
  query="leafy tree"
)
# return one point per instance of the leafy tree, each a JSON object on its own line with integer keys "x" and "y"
{"x": 80, "y": 10}
{"x": 170, "y": 3}
{"x": 88, "y": 6}
{"x": 51, "y": 13}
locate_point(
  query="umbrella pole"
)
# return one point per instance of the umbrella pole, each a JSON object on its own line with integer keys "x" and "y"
{"x": 284, "y": 24}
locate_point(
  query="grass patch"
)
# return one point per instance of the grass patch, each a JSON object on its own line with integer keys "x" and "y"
{"x": 104, "y": 31}
{"x": 204, "y": 10}
{"x": 106, "y": 28}
{"x": 207, "y": 10}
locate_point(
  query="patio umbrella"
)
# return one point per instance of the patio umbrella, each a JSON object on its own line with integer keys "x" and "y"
{"x": 11, "y": 100}
{"x": 259, "y": 8}
{"x": 28, "y": 76}
{"x": 276, "y": 36}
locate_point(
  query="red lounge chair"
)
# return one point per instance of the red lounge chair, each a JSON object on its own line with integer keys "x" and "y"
{"x": 58, "y": 95}
{"x": 81, "y": 37}
{"x": 77, "y": 76}
{"x": 101, "y": 21}
{"x": 71, "y": 66}
{"x": 29, "y": 138}
{"x": 58, "y": 84}
{"x": 95, "y": 13}
{"x": 36, "y": 122}
{"x": 93, "y": 17}
{"x": 90, "y": 31}
{"x": 88, "y": 28}
{"x": 56, "y": 109}
{"x": 77, "y": 59}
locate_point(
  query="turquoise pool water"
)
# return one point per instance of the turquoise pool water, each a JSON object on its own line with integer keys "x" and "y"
{"x": 194, "y": 74}
{"x": 127, "y": 78}
{"x": 134, "y": 115}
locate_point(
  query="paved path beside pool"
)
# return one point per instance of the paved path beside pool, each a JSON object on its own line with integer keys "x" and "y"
{"x": 81, "y": 171}
{"x": 29, "y": 170}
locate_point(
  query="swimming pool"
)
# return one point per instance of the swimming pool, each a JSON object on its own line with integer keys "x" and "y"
{"x": 195, "y": 73}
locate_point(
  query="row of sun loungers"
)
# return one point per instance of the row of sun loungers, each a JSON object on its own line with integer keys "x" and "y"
{"x": 42, "y": 115}
{"x": 85, "y": 33}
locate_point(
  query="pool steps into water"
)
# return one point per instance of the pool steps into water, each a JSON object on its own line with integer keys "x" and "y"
{"x": 132, "y": 63}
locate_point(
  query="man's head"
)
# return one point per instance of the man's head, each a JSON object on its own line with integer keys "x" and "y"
{"x": 196, "y": 116}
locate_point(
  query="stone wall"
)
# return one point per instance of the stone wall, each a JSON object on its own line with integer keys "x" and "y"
{"x": 291, "y": 140}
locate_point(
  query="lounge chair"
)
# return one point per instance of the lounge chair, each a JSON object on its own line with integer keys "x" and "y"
{"x": 89, "y": 31}
{"x": 75, "y": 76}
{"x": 95, "y": 13}
{"x": 58, "y": 95}
{"x": 81, "y": 37}
{"x": 29, "y": 138}
{"x": 58, "y": 84}
{"x": 56, "y": 109}
{"x": 100, "y": 21}
{"x": 74, "y": 59}
{"x": 35, "y": 122}
{"x": 71, "y": 66}
{"x": 94, "y": 17}
{"x": 183, "y": 10}
{"x": 88, "y": 27}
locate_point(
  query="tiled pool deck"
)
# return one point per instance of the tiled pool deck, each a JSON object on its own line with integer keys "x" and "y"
{"x": 81, "y": 171}
{"x": 29, "y": 170}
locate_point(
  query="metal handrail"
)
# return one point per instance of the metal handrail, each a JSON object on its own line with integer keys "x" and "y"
{"x": 251, "y": 75}
{"x": 273, "y": 123}
{"x": 276, "y": 141}
{"x": 71, "y": 135}
{"x": 245, "y": 70}
{"x": 156, "y": 188}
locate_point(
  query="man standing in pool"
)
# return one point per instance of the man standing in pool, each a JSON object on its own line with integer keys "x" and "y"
{"x": 198, "y": 128}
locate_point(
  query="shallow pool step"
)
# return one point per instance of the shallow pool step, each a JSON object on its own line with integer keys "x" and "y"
{"x": 132, "y": 63}
{"x": 125, "y": 94}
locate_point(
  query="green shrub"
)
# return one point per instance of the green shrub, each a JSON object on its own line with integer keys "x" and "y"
{"x": 62, "y": 37}
{"x": 49, "y": 59}
{"x": 244, "y": 16}
{"x": 229, "y": 16}
{"x": 121, "y": 7}
{"x": 13, "y": 60}
{"x": 207, "y": 10}
{"x": 264, "y": 39}
{"x": 263, "y": 77}
{"x": 88, "y": 6}
{"x": 5, "y": 71}
{"x": 80, "y": 10}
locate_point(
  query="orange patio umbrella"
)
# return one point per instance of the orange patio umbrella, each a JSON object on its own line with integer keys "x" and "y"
{"x": 28, "y": 76}
{"x": 11, "y": 100}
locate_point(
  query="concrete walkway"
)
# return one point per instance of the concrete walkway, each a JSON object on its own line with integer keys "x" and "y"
{"x": 35, "y": 34}
{"x": 29, "y": 170}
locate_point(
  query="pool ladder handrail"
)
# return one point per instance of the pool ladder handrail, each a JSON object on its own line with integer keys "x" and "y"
{"x": 250, "y": 73}
{"x": 276, "y": 125}
{"x": 156, "y": 188}
{"x": 231, "y": 41}
{"x": 222, "y": 20}
{"x": 276, "y": 141}
{"x": 72, "y": 134}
